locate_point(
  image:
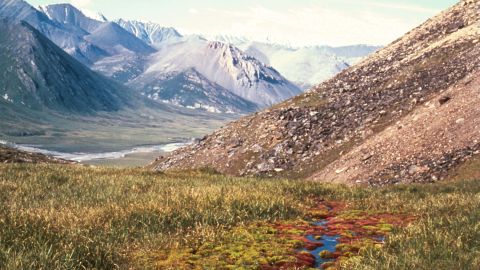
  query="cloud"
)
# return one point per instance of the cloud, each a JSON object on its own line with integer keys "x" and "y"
{"x": 193, "y": 11}
{"x": 313, "y": 25}
{"x": 410, "y": 8}
{"x": 81, "y": 3}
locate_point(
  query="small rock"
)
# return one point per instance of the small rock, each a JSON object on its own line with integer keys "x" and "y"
{"x": 444, "y": 100}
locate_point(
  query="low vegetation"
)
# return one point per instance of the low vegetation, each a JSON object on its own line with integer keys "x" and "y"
{"x": 74, "y": 217}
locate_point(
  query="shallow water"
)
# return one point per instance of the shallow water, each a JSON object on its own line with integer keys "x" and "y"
{"x": 329, "y": 244}
{"x": 103, "y": 157}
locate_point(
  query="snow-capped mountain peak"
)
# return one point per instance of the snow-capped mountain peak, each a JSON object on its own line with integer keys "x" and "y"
{"x": 149, "y": 32}
{"x": 94, "y": 15}
{"x": 71, "y": 17}
{"x": 231, "y": 39}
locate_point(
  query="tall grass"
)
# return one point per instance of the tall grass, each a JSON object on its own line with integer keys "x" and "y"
{"x": 69, "y": 217}
{"x": 446, "y": 234}
{"x": 73, "y": 217}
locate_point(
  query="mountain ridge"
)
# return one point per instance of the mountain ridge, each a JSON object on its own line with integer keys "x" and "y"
{"x": 36, "y": 74}
{"x": 149, "y": 32}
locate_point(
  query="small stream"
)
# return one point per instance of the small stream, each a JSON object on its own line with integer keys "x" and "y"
{"x": 329, "y": 243}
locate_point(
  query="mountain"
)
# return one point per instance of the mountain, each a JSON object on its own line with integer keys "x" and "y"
{"x": 71, "y": 18}
{"x": 50, "y": 99}
{"x": 150, "y": 33}
{"x": 106, "y": 35}
{"x": 113, "y": 38}
{"x": 352, "y": 54}
{"x": 122, "y": 51}
{"x": 130, "y": 56}
{"x": 88, "y": 40}
{"x": 238, "y": 41}
{"x": 18, "y": 10}
{"x": 223, "y": 64}
{"x": 97, "y": 16}
{"x": 191, "y": 89}
{"x": 310, "y": 65}
{"x": 127, "y": 52}
{"x": 408, "y": 113}
{"x": 68, "y": 37}
{"x": 37, "y": 74}
{"x": 305, "y": 66}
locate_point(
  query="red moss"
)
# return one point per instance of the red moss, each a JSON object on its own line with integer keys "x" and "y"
{"x": 354, "y": 229}
{"x": 327, "y": 265}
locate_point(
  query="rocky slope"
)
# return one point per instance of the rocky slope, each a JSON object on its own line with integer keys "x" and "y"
{"x": 408, "y": 113}
{"x": 191, "y": 89}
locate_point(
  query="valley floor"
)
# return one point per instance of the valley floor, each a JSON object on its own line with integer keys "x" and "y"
{"x": 76, "y": 217}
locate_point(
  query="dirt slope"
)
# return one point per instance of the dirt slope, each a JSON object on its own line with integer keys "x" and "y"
{"x": 423, "y": 146}
{"x": 10, "y": 155}
{"x": 320, "y": 134}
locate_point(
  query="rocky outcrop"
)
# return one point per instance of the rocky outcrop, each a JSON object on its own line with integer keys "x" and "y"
{"x": 312, "y": 134}
{"x": 10, "y": 155}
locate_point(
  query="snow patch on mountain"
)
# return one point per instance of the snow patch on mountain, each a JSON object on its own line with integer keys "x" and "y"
{"x": 94, "y": 15}
{"x": 149, "y": 32}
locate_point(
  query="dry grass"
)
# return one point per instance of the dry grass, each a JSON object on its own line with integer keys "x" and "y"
{"x": 73, "y": 217}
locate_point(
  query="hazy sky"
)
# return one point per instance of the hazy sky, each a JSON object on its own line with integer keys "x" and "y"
{"x": 298, "y": 22}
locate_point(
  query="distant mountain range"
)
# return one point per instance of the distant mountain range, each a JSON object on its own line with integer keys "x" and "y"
{"x": 305, "y": 66}
{"x": 159, "y": 63}
{"x": 151, "y": 33}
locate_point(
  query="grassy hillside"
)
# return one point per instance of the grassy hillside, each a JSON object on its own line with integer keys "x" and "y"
{"x": 73, "y": 217}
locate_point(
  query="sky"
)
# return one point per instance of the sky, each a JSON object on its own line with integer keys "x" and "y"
{"x": 293, "y": 22}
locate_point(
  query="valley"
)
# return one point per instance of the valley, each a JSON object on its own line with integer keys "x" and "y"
{"x": 112, "y": 133}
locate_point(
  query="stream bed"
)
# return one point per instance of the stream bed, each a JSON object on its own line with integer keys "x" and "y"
{"x": 335, "y": 233}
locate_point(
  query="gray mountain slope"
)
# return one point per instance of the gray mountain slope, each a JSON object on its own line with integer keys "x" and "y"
{"x": 37, "y": 74}
{"x": 192, "y": 90}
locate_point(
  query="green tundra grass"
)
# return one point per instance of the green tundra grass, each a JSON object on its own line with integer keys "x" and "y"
{"x": 74, "y": 217}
